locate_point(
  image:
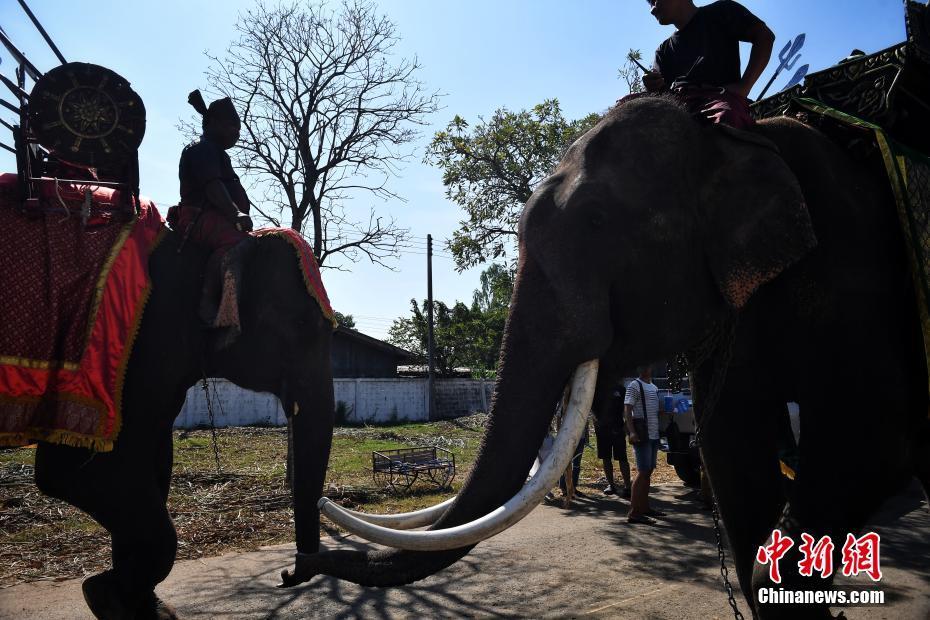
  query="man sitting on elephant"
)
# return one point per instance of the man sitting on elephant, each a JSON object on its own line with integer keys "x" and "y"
{"x": 701, "y": 62}
{"x": 214, "y": 206}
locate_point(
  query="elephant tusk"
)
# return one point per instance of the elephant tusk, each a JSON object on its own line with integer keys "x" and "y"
{"x": 502, "y": 517}
{"x": 405, "y": 520}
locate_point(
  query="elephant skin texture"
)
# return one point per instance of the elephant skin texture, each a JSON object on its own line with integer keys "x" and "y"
{"x": 653, "y": 230}
{"x": 284, "y": 348}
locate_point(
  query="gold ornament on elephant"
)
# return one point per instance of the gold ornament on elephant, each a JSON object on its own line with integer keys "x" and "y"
{"x": 86, "y": 114}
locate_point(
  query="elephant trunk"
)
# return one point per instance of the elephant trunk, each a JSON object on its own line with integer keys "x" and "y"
{"x": 534, "y": 368}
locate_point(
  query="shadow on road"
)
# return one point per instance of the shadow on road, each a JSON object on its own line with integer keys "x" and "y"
{"x": 556, "y": 563}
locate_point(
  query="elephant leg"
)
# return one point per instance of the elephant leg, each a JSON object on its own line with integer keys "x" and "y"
{"x": 125, "y": 494}
{"x": 740, "y": 458}
{"x": 922, "y": 454}
{"x": 164, "y": 464}
{"x": 144, "y": 546}
{"x": 924, "y": 479}
{"x": 834, "y": 495}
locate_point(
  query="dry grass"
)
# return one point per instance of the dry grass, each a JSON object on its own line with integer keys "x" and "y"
{"x": 244, "y": 506}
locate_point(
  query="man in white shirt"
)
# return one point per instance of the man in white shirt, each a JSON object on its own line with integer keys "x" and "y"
{"x": 641, "y": 413}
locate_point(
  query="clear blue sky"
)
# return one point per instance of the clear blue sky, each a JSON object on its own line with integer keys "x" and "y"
{"x": 483, "y": 54}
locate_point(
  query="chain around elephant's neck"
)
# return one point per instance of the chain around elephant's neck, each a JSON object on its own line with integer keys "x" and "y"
{"x": 206, "y": 395}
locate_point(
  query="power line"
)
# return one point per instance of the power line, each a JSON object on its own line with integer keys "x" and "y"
{"x": 415, "y": 248}
{"x": 365, "y": 317}
{"x": 446, "y": 256}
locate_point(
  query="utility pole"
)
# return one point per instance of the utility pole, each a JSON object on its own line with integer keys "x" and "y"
{"x": 429, "y": 317}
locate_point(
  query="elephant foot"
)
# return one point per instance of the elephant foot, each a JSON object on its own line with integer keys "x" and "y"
{"x": 304, "y": 570}
{"x": 107, "y": 602}
{"x": 156, "y": 609}
{"x": 101, "y": 593}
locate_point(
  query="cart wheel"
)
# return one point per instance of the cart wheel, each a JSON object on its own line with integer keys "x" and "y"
{"x": 381, "y": 479}
{"x": 402, "y": 481}
{"x": 442, "y": 477}
{"x": 690, "y": 472}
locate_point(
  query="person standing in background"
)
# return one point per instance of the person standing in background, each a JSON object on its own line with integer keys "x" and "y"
{"x": 641, "y": 413}
{"x": 611, "y": 444}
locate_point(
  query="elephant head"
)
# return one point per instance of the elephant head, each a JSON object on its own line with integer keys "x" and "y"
{"x": 284, "y": 348}
{"x": 652, "y": 228}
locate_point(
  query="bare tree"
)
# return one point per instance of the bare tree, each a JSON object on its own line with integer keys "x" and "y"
{"x": 328, "y": 114}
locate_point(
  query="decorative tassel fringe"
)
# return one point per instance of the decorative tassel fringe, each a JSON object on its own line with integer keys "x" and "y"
{"x": 64, "y": 438}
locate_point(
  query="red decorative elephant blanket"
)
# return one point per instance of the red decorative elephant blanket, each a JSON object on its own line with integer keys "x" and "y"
{"x": 71, "y": 299}
{"x": 308, "y": 267}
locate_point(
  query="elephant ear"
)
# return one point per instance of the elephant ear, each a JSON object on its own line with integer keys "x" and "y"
{"x": 756, "y": 221}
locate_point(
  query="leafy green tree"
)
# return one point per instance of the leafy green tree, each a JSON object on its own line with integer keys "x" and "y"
{"x": 450, "y": 349}
{"x": 465, "y": 337}
{"x": 410, "y": 333}
{"x": 490, "y": 306}
{"x": 631, "y": 73}
{"x": 496, "y": 289}
{"x": 491, "y": 170}
{"x": 345, "y": 320}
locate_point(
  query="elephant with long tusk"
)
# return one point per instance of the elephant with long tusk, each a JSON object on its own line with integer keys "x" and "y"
{"x": 401, "y": 521}
{"x": 653, "y": 233}
{"x": 506, "y": 515}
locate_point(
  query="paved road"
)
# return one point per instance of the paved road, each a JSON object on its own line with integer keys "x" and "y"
{"x": 554, "y": 564}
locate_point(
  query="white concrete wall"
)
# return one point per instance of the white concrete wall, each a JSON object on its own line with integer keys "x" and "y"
{"x": 362, "y": 400}
{"x": 381, "y": 400}
{"x": 458, "y": 397}
{"x": 232, "y": 406}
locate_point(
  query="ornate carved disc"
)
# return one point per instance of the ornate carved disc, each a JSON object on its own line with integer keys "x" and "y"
{"x": 86, "y": 114}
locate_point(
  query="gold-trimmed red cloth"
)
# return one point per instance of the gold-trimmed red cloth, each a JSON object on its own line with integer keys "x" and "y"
{"x": 71, "y": 299}
{"x": 308, "y": 267}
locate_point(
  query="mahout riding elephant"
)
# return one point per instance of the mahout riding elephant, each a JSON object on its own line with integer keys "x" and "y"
{"x": 657, "y": 234}
{"x": 283, "y": 348}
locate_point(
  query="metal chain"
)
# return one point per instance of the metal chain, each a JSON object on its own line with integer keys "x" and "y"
{"x": 717, "y": 347}
{"x": 721, "y": 555}
{"x": 206, "y": 394}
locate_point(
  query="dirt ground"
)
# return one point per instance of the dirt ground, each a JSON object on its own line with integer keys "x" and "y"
{"x": 583, "y": 562}
{"x": 244, "y": 506}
